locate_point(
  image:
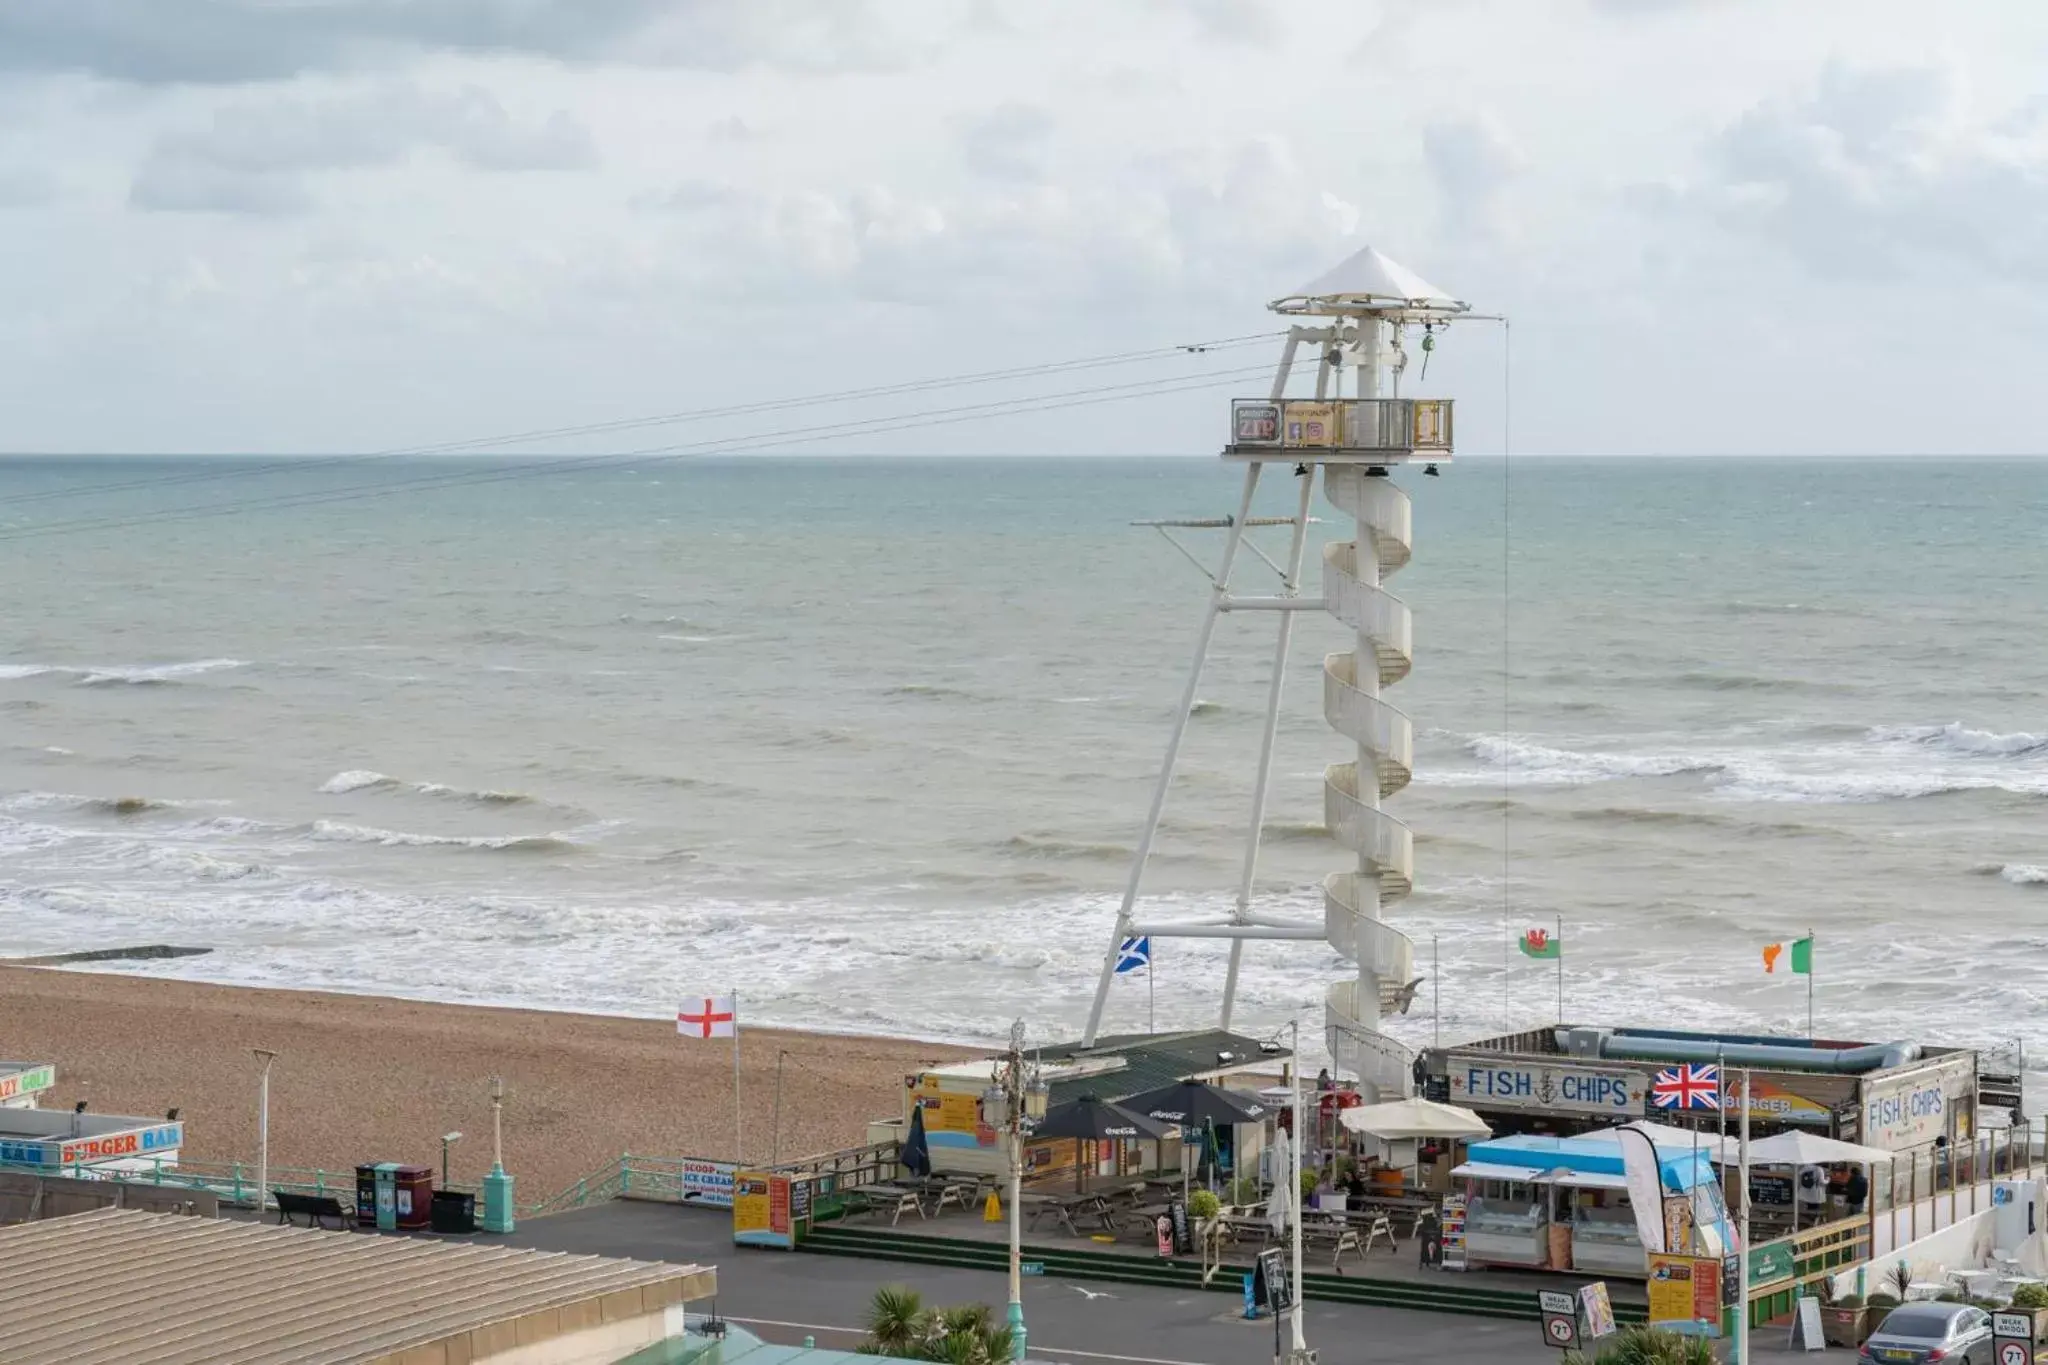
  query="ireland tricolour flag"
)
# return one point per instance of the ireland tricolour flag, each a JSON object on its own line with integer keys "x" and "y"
{"x": 1802, "y": 956}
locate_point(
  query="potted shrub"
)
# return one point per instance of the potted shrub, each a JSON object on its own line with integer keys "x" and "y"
{"x": 1203, "y": 1205}
{"x": 1309, "y": 1197}
{"x": 2032, "y": 1299}
{"x": 1845, "y": 1322}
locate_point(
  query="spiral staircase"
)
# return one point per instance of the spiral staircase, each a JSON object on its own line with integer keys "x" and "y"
{"x": 1360, "y": 313}
{"x": 1353, "y": 572}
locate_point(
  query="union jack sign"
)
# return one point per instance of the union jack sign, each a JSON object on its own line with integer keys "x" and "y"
{"x": 1687, "y": 1087}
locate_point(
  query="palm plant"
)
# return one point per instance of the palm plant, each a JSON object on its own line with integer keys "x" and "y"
{"x": 1644, "y": 1346}
{"x": 899, "y": 1325}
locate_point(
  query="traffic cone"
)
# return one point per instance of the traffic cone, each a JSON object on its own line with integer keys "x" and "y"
{"x": 992, "y": 1210}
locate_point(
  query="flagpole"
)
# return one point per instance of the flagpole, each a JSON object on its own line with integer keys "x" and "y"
{"x": 737, "y": 1147}
{"x": 1742, "y": 1250}
{"x": 1436, "y": 994}
{"x": 1560, "y": 969}
{"x": 1151, "y": 996}
{"x": 1809, "y": 987}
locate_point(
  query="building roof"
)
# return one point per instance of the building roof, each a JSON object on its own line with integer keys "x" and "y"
{"x": 1151, "y": 1060}
{"x": 740, "y": 1347}
{"x": 1370, "y": 280}
{"x": 119, "y": 1286}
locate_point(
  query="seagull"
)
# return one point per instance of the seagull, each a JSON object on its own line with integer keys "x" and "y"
{"x": 1090, "y": 1294}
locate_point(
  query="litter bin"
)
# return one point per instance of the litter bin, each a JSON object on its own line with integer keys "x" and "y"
{"x": 366, "y": 1196}
{"x": 454, "y": 1211}
{"x": 415, "y": 1194}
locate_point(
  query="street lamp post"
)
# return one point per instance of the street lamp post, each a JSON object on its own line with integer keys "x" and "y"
{"x": 447, "y": 1140}
{"x": 266, "y": 1057}
{"x": 497, "y": 1185}
{"x": 1013, "y": 1098}
{"x": 1297, "y": 1340}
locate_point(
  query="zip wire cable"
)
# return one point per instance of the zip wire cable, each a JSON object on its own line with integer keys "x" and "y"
{"x": 794, "y": 436}
{"x": 664, "y": 419}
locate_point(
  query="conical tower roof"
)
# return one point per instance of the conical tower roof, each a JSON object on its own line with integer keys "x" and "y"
{"x": 1370, "y": 281}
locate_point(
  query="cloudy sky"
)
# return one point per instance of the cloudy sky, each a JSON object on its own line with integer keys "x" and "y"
{"x": 1742, "y": 226}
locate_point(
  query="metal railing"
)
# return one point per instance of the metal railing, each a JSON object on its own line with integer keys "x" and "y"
{"x": 626, "y": 1176}
{"x": 1809, "y": 1257}
{"x": 1393, "y": 425}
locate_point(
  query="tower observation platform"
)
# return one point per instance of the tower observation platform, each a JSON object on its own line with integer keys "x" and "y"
{"x": 1350, "y": 329}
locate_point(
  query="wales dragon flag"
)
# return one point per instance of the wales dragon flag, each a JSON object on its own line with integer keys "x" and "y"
{"x": 1541, "y": 943}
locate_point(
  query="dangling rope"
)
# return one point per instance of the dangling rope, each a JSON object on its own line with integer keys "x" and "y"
{"x": 1507, "y": 361}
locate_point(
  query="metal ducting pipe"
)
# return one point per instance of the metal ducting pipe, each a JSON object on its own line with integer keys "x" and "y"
{"x": 1659, "y": 1045}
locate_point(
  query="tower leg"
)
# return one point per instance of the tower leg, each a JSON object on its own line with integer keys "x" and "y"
{"x": 1263, "y": 783}
{"x": 1218, "y": 592}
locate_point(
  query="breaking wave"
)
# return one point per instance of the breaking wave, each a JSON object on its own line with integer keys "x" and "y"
{"x": 1957, "y": 738}
{"x": 364, "y": 779}
{"x": 330, "y": 831}
{"x": 107, "y": 675}
{"x": 1518, "y": 760}
{"x": 1888, "y": 763}
{"x": 97, "y": 805}
{"x": 2019, "y": 874}
{"x": 1048, "y": 847}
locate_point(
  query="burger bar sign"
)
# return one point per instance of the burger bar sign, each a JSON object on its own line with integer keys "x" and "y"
{"x": 161, "y": 1141}
{"x": 1557, "y": 1089}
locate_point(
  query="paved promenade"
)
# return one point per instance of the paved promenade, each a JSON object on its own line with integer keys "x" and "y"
{"x": 785, "y": 1296}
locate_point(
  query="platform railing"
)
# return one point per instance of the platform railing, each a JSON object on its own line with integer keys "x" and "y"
{"x": 1396, "y": 426}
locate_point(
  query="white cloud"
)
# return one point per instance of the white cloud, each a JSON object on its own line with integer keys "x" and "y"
{"x": 256, "y": 156}
{"x": 1470, "y": 163}
{"x": 1881, "y": 175}
{"x": 24, "y": 187}
{"x": 1010, "y": 142}
{"x": 236, "y": 41}
{"x": 890, "y": 184}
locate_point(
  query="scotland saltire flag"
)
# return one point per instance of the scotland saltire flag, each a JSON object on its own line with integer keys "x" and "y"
{"x": 1687, "y": 1087}
{"x": 1133, "y": 953}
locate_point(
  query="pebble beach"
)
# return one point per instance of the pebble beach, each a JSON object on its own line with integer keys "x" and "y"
{"x": 367, "y": 1078}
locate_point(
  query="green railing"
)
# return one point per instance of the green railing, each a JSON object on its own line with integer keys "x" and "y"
{"x": 627, "y": 1176}
{"x": 234, "y": 1182}
{"x": 633, "y": 1176}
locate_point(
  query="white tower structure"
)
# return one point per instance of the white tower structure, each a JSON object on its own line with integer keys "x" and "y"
{"x": 1359, "y": 319}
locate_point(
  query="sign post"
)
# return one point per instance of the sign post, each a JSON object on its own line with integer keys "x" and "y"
{"x": 2012, "y": 1338}
{"x": 1685, "y": 1294}
{"x": 1272, "y": 1272}
{"x": 1560, "y": 1319}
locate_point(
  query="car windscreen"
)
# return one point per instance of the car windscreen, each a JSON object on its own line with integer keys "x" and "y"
{"x": 1918, "y": 1322}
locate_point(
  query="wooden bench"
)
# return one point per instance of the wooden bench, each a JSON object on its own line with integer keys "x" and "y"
{"x": 317, "y": 1208}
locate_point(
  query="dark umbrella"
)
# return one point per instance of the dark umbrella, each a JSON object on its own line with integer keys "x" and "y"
{"x": 1193, "y": 1103}
{"x": 916, "y": 1155}
{"x": 1093, "y": 1120}
{"x": 1098, "y": 1121}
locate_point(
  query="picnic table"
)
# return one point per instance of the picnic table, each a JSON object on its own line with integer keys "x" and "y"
{"x": 899, "y": 1196}
{"x": 961, "y": 1191}
{"x": 1064, "y": 1207}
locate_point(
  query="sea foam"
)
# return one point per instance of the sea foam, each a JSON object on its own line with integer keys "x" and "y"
{"x": 331, "y": 831}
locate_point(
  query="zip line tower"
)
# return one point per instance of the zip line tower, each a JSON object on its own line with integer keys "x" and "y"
{"x": 1357, "y": 321}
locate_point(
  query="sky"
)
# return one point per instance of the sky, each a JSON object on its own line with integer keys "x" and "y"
{"x": 1717, "y": 226}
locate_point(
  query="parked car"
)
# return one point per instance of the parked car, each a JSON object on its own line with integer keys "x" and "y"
{"x": 1930, "y": 1334}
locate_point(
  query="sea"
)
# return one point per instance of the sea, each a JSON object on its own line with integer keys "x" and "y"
{"x": 869, "y": 742}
